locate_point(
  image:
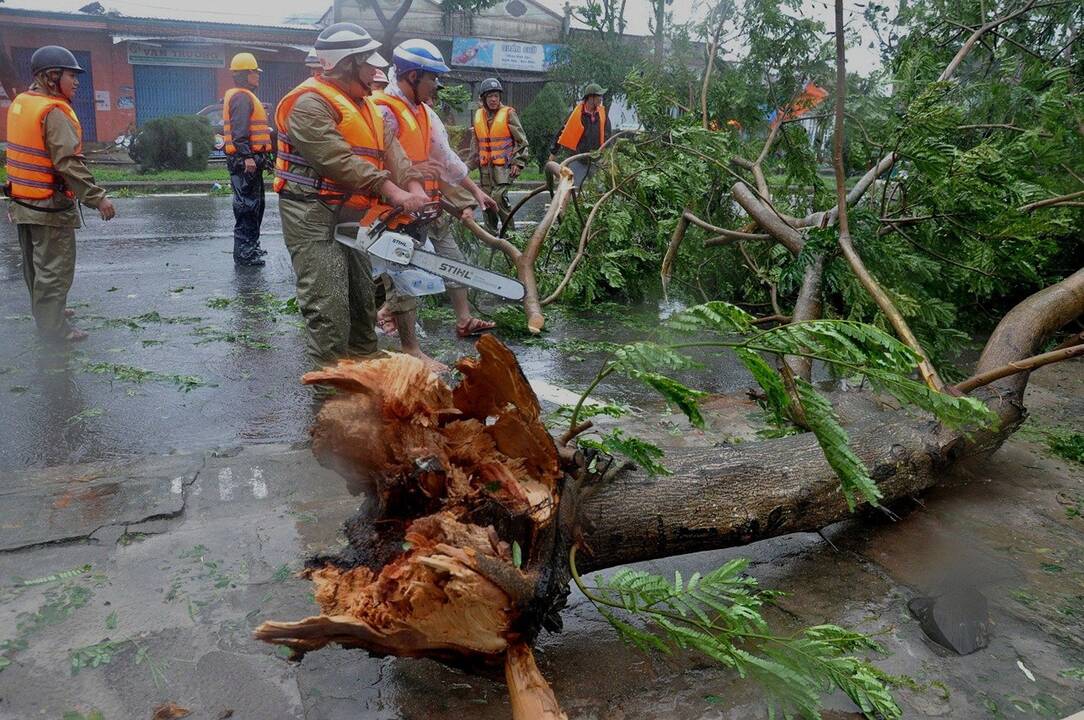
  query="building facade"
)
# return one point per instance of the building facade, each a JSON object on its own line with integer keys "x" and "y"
{"x": 517, "y": 41}
{"x": 139, "y": 69}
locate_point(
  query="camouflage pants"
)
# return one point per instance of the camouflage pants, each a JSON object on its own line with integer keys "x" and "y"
{"x": 334, "y": 284}
{"x": 500, "y": 194}
{"x": 49, "y": 269}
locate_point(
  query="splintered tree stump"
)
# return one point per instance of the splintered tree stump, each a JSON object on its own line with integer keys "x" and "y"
{"x": 455, "y": 559}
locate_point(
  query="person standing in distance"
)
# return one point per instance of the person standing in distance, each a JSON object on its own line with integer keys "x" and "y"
{"x": 47, "y": 175}
{"x": 247, "y": 138}
{"x": 586, "y": 130}
{"x": 498, "y": 149}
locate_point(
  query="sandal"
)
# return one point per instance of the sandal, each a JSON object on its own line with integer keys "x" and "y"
{"x": 69, "y": 313}
{"x": 474, "y": 326}
{"x": 385, "y": 322}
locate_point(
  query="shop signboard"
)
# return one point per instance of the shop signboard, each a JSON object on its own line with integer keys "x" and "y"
{"x": 504, "y": 54}
{"x": 186, "y": 55}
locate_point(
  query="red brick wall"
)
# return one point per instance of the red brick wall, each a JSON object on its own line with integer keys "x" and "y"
{"x": 109, "y": 62}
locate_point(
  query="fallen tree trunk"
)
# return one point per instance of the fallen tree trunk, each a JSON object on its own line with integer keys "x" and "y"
{"x": 464, "y": 557}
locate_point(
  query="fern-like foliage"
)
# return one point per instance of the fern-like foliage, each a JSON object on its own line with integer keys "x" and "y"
{"x": 718, "y": 315}
{"x": 851, "y": 348}
{"x": 641, "y": 452}
{"x": 835, "y": 443}
{"x": 718, "y": 614}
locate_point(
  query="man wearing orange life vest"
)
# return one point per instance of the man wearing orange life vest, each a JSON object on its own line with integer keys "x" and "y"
{"x": 585, "y": 130}
{"x": 418, "y": 65}
{"x": 498, "y": 149}
{"x": 247, "y": 136}
{"x": 47, "y": 174}
{"x": 338, "y": 162}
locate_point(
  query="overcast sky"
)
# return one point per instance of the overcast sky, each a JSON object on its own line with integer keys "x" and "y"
{"x": 275, "y": 11}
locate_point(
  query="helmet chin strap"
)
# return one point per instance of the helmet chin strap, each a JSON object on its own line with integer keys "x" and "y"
{"x": 414, "y": 82}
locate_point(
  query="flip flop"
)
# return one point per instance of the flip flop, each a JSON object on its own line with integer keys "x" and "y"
{"x": 387, "y": 325}
{"x": 474, "y": 326}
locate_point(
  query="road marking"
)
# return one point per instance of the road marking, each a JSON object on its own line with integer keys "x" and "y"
{"x": 259, "y": 487}
{"x": 226, "y": 484}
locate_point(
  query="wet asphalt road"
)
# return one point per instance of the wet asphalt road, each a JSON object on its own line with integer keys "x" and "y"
{"x": 159, "y": 292}
{"x": 188, "y": 351}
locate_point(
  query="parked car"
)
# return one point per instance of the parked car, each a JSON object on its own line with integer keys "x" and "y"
{"x": 213, "y": 113}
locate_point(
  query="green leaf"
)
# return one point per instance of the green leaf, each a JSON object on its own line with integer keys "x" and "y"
{"x": 643, "y": 453}
{"x": 684, "y": 397}
{"x": 834, "y": 441}
{"x": 517, "y": 554}
{"x": 111, "y": 621}
{"x": 717, "y": 315}
{"x": 650, "y": 357}
{"x": 768, "y": 379}
{"x": 954, "y": 412}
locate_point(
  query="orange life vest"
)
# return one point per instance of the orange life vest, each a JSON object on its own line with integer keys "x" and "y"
{"x": 414, "y": 134}
{"x": 570, "y": 136}
{"x": 495, "y": 142}
{"x": 30, "y": 168}
{"x": 360, "y": 125}
{"x": 259, "y": 132}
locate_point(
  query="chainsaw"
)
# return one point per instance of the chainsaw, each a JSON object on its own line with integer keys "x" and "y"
{"x": 398, "y": 249}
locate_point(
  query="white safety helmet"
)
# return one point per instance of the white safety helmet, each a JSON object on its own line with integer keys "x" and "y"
{"x": 418, "y": 54}
{"x": 341, "y": 40}
{"x": 311, "y": 61}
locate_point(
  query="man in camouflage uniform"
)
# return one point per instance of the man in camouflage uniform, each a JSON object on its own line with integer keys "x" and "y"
{"x": 496, "y": 177}
{"x": 47, "y": 174}
{"x": 334, "y": 282}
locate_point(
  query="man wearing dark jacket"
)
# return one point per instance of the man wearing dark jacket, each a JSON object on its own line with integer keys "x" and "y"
{"x": 247, "y": 136}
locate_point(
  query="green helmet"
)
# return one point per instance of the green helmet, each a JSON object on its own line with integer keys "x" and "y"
{"x": 594, "y": 89}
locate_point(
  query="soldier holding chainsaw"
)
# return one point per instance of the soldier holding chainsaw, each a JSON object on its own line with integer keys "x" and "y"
{"x": 418, "y": 66}
{"x": 339, "y": 162}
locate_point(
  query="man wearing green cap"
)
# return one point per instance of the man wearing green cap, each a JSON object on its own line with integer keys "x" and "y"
{"x": 585, "y": 130}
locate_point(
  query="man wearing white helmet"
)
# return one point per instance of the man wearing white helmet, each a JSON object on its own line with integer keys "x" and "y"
{"x": 338, "y": 162}
{"x": 380, "y": 81}
{"x": 418, "y": 65}
{"x": 313, "y": 63}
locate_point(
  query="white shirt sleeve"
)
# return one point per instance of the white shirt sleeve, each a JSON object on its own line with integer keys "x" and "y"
{"x": 390, "y": 121}
{"x": 453, "y": 169}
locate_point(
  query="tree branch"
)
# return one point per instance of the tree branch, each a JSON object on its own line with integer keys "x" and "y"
{"x": 926, "y": 369}
{"x": 707, "y": 75}
{"x": 770, "y": 221}
{"x": 1018, "y": 366}
{"x": 1060, "y": 200}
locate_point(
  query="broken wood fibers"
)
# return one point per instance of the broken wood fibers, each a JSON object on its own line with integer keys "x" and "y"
{"x": 467, "y": 473}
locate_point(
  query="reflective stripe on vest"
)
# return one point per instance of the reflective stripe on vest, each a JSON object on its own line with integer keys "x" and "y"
{"x": 495, "y": 143}
{"x": 360, "y": 124}
{"x": 259, "y": 132}
{"x": 414, "y": 134}
{"x": 573, "y": 132}
{"x": 30, "y": 168}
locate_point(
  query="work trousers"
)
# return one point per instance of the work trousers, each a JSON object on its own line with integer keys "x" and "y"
{"x": 442, "y": 233}
{"x": 499, "y": 193}
{"x": 248, "y": 204}
{"x": 334, "y": 284}
{"x": 49, "y": 269}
